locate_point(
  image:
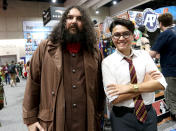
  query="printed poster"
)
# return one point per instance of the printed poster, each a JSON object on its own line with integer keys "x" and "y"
{"x": 34, "y": 32}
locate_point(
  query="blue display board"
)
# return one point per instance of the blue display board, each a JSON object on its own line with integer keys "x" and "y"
{"x": 170, "y": 9}
{"x": 34, "y": 32}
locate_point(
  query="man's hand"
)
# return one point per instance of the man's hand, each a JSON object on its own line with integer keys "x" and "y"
{"x": 152, "y": 75}
{"x": 153, "y": 53}
{"x": 35, "y": 127}
{"x": 115, "y": 89}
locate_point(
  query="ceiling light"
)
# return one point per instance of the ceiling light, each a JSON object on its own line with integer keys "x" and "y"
{"x": 114, "y": 2}
{"x": 54, "y": 1}
{"x": 97, "y": 12}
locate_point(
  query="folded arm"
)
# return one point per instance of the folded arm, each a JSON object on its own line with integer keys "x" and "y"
{"x": 128, "y": 92}
{"x": 124, "y": 97}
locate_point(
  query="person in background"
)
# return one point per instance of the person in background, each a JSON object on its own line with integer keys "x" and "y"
{"x": 6, "y": 70}
{"x": 19, "y": 69}
{"x": 145, "y": 43}
{"x": 2, "y": 72}
{"x": 165, "y": 46}
{"x": 13, "y": 71}
{"x": 24, "y": 72}
{"x": 1, "y": 75}
{"x": 64, "y": 89}
{"x": 27, "y": 68}
{"x": 130, "y": 79}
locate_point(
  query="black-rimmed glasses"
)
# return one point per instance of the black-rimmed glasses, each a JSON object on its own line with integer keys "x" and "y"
{"x": 125, "y": 34}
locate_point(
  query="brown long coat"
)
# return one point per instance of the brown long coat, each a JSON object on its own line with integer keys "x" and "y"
{"x": 45, "y": 83}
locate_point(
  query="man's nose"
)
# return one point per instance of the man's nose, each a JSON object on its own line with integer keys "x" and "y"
{"x": 121, "y": 37}
{"x": 74, "y": 19}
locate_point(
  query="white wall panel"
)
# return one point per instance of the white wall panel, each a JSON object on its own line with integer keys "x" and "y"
{"x": 12, "y": 23}
{"x": 12, "y": 47}
{"x": 2, "y": 24}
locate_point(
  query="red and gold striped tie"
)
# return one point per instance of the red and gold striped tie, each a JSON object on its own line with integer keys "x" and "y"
{"x": 140, "y": 109}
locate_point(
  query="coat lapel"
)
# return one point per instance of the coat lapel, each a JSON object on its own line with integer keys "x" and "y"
{"x": 55, "y": 51}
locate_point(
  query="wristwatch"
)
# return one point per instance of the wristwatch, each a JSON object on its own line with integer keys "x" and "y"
{"x": 136, "y": 87}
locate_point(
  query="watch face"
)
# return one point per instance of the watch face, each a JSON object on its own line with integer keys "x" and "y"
{"x": 135, "y": 86}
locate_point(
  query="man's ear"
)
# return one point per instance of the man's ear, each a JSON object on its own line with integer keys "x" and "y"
{"x": 111, "y": 38}
{"x": 160, "y": 23}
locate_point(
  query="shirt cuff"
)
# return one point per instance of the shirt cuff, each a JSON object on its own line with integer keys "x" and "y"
{"x": 111, "y": 98}
{"x": 162, "y": 81}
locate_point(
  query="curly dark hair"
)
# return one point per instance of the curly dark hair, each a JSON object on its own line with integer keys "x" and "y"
{"x": 57, "y": 35}
{"x": 119, "y": 21}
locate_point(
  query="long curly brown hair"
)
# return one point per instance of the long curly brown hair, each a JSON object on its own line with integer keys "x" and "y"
{"x": 57, "y": 35}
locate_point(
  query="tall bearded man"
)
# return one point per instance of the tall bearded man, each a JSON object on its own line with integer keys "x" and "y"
{"x": 64, "y": 90}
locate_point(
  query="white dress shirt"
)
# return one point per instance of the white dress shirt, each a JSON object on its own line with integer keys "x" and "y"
{"x": 115, "y": 70}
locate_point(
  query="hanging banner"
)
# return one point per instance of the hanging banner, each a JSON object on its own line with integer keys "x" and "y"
{"x": 106, "y": 24}
{"x": 52, "y": 15}
{"x": 150, "y": 20}
{"x": 136, "y": 17}
{"x": 35, "y": 26}
{"x": 170, "y": 9}
{"x": 123, "y": 16}
{"x": 34, "y": 32}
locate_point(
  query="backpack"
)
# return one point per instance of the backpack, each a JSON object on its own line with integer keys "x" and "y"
{"x": 12, "y": 69}
{"x": 17, "y": 79}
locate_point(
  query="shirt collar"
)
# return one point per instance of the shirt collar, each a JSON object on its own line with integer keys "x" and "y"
{"x": 121, "y": 56}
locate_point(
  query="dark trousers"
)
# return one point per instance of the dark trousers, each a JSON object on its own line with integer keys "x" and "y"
{"x": 170, "y": 94}
{"x": 7, "y": 78}
{"x": 125, "y": 120}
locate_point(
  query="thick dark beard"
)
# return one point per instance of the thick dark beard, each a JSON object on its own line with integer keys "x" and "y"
{"x": 78, "y": 37}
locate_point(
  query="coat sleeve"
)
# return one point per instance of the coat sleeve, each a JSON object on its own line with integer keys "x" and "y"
{"x": 31, "y": 100}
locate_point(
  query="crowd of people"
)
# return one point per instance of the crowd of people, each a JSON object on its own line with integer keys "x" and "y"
{"x": 10, "y": 73}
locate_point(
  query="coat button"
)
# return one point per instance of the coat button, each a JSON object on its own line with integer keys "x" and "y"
{"x": 74, "y": 86}
{"x": 53, "y": 94}
{"x": 73, "y": 70}
{"x": 74, "y": 105}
